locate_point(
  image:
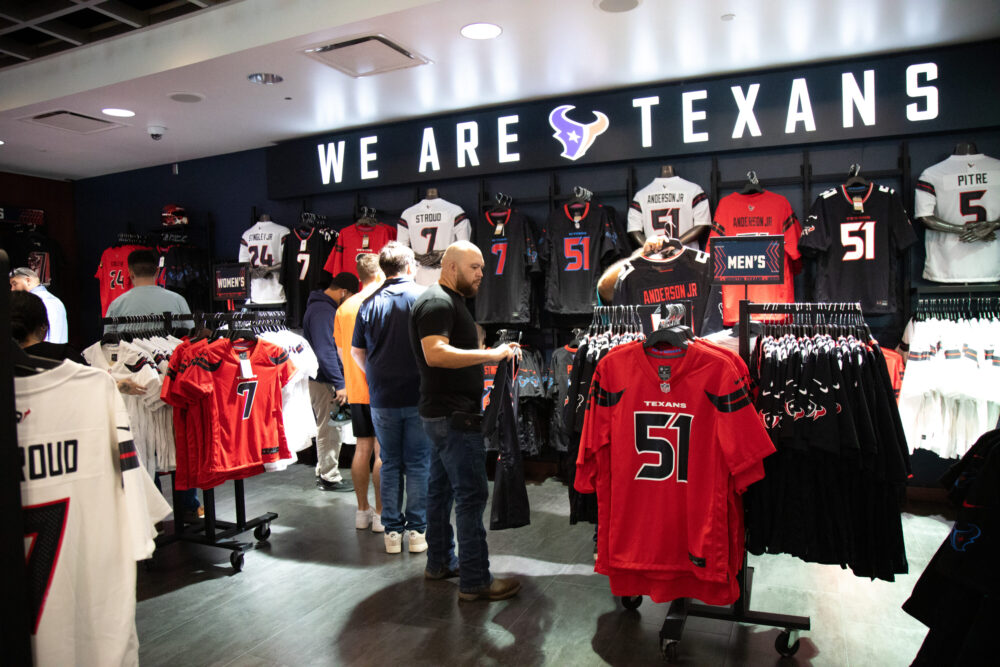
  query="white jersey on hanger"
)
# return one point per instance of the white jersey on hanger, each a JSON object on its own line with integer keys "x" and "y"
{"x": 297, "y": 414}
{"x": 429, "y": 227}
{"x": 960, "y": 189}
{"x": 89, "y": 511}
{"x": 670, "y": 206}
{"x": 261, "y": 246}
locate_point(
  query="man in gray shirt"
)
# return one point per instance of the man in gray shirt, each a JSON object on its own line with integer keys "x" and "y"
{"x": 145, "y": 297}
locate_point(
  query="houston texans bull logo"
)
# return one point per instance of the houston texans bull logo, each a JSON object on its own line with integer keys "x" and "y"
{"x": 576, "y": 138}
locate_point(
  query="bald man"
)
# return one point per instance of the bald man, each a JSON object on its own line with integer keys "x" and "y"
{"x": 446, "y": 344}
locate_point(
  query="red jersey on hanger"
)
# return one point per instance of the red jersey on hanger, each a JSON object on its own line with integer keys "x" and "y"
{"x": 112, "y": 273}
{"x": 354, "y": 240}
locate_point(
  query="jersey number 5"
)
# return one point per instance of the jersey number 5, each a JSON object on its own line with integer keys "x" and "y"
{"x": 670, "y": 459}
{"x": 247, "y": 389}
{"x": 966, "y": 207}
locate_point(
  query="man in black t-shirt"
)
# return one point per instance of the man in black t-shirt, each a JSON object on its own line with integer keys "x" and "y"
{"x": 446, "y": 345}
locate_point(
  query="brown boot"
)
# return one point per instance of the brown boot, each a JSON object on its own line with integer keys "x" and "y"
{"x": 500, "y": 589}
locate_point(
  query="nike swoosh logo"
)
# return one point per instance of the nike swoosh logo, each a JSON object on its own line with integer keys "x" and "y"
{"x": 124, "y": 428}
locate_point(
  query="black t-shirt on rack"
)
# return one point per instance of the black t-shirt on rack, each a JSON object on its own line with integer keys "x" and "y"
{"x": 857, "y": 246}
{"x": 578, "y": 243}
{"x": 440, "y": 311}
{"x": 302, "y": 257}
{"x": 510, "y": 253}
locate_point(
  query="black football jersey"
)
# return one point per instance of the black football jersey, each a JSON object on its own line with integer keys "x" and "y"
{"x": 579, "y": 241}
{"x": 560, "y": 370}
{"x": 684, "y": 278}
{"x": 857, "y": 238}
{"x": 304, "y": 252}
{"x": 510, "y": 250}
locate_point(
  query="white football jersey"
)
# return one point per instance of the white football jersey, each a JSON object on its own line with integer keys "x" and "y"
{"x": 261, "y": 246}
{"x": 669, "y": 206}
{"x": 298, "y": 417}
{"x": 430, "y": 226}
{"x": 89, "y": 510}
{"x": 960, "y": 189}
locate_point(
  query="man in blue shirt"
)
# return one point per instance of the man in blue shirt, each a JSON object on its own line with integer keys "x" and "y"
{"x": 328, "y": 388}
{"x": 25, "y": 280}
{"x": 381, "y": 346}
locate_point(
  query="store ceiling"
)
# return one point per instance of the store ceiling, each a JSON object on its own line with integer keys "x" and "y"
{"x": 548, "y": 47}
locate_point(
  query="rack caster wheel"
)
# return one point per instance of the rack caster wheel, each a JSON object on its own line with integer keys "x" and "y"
{"x": 631, "y": 603}
{"x": 787, "y": 643}
{"x": 236, "y": 560}
{"x": 668, "y": 649}
{"x": 262, "y": 532}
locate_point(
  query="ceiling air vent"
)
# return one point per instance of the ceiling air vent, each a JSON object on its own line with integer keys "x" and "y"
{"x": 73, "y": 122}
{"x": 365, "y": 55}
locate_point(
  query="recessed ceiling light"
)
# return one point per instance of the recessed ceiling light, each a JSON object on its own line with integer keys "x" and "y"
{"x": 616, "y": 6}
{"x": 265, "y": 78}
{"x": 1, "y": 142}
{"x": 186, "y": 98}
{"x": 481, "y": 31}
{"x": 117, "y": 113}
{"x": 728, "y": 17}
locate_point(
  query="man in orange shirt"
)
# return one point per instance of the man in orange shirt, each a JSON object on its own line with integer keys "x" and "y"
{"x": 357, "y": 396}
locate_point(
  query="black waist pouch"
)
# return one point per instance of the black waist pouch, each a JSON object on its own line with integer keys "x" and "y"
{"x": 470, "y": 422}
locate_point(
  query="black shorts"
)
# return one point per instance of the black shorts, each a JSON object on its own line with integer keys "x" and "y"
{"x": 361, "y": 420}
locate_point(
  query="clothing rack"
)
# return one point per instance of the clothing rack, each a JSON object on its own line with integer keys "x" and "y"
{"x": 209, "y": 531}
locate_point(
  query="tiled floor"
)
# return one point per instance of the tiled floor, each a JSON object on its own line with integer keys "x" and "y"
{"x": 322, "y": 593}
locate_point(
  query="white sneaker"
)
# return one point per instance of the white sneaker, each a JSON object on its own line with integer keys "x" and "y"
{"x": 377, "y": 526}
{"x": 393, "y": 542}
{"x": 418, "y": 542}
{"x": 363, "y": 518}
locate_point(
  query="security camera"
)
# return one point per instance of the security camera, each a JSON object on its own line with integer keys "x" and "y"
{"x": 156, "y": 132}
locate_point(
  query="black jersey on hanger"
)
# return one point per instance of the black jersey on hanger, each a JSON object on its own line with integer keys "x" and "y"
{"x": 857, "y": 237}
{"x": 304, "y": 252}
{"x": 579, "y": 242}
{"x": 510, "y": 254}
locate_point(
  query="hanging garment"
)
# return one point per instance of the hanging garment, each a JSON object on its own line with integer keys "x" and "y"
{"x": 261, "y": 246}
{"x": 510, "y": 507}
{"x": 509, "y": 245}
{"x": 429, "y": 227}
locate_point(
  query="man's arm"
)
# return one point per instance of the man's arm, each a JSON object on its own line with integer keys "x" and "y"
{"x": 439, "y": 353}
{"x": 606, "y": 283}
{"x": 360, "y": 356}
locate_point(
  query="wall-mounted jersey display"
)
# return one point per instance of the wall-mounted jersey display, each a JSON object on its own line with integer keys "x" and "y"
{"x": 305, "y": 251}
{"x": 88, "y": 511}
{"x": 363, "y": 237}
{"x": 429, "y": 227}
{"x": 959, "y": 190}
{"x": 579, "y": 241}
{"x": 510, "y": 253}
{"x": 261, "y": 246}
{"x": 858, "y": 236}
{"x": 684, "y": 276}
{"x": 763, "y": 212}
{"x": 669, "y": 206}
{"x": 112, "y": 273}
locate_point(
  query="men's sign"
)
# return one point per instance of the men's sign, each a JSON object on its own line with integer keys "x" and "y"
{"x": 232, "y": 281}
{"x": 913, "y": 93}
{"x": 748, "y": 260}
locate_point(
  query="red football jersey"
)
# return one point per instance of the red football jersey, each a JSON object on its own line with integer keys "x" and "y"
{"x": 760, "y": 213}
{"x": 246, "y": 422}
{"x": 112, "y": 273}
{"x": 354, "y": 240}
{"x": 894, "y": 363}
{"x": 670, "y": 440}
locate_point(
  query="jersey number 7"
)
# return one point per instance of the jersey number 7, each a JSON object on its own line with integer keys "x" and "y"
{"x": 670, "y": 459}
{"x": 44, "y": 525}
{"x": 247, "y": 389}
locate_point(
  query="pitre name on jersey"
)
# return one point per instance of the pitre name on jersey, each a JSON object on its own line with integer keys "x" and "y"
{"x": 665, "y": 198}
{"x": 50, "y": 459}
{"x": 973, "y": 179}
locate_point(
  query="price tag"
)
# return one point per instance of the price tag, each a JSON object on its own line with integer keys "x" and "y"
{"x": 858, "y": 204}
{"x": 302, "y": 245}
{"x": 364, "y": 242}
{"x": 162, "y": 259}
{"x": 498, "y": 230}
{"x": 246, "y": 371}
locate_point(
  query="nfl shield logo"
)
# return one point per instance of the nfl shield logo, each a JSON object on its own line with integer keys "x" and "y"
{"x": 665, "y": 387}
{"x": 750, "y": 206}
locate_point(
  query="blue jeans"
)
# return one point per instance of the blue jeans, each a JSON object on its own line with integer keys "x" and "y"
{"x": 458, "y": 475}
{"x": 405, "y": 458}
